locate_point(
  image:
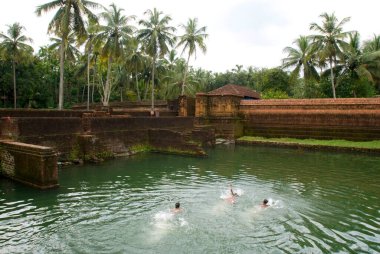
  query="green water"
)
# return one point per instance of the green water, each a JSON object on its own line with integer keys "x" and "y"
{"x": 321, "y": 203}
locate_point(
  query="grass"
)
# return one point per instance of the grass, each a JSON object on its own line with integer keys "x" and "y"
{"x": 317, "y": 142}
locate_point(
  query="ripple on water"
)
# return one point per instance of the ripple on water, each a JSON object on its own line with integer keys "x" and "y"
{"x": 320, "y": 205}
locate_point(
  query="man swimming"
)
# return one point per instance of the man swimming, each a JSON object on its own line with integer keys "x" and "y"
{"x": 234, "y": 194}
{"x": 265, "y": 203}
{"x": 177, "y": 208}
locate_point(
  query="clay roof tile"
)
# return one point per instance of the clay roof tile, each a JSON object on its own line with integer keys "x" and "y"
{"x": 235, "y": 90}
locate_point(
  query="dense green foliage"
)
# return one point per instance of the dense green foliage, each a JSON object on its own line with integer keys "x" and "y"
{"x": 113, "y": 59}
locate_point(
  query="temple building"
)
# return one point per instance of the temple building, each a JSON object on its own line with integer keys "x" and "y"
{"x": 223, "y": 102}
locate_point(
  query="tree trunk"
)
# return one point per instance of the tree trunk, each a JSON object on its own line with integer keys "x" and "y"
{"x": 61, "y": 71}
{"x": 107, "y": 89}
{"x": 137, "y": 85}
{"x": 146, "y": 90}
{"x": 332, "y": 78}
{"x": 93, "y": 79}
{"x": 184, "y": 76}
{"x": 88, "y": 80}
{"x": 152, "y": 94}
{"x": 14, "y": 83}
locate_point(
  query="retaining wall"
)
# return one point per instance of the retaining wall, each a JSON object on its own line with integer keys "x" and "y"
{"x": 30, "y": 164}
{"x": 351, "y": 119}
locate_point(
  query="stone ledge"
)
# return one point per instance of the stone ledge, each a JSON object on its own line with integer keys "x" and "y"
{"x": 374, "y": 151}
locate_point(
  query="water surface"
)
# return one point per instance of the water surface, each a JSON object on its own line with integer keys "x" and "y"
{"x": 321, "y": 203}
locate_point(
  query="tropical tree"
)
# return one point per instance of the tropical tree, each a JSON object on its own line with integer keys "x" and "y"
{"x": 170, "y": 69}
{"x": 301, "y": 56}
{"x": 329, "y": 41}
{"x": 14, "y": 45}
{"x": 68, "y": 18}
{"x": 372, "y": 45}
{"x": 71, "y": 51}
{"x": 357, "y": 64}
{"x": 114, "y": 34}
{"x": 92, "y": 30}
{"x": 192, "y": 38}
{"x": 156, "y": 37}
{"x": 136, "y": 61}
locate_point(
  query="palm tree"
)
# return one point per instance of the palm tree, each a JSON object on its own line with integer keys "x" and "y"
{"x": 92, "y": 29}
{"x": 357, "y": 63}
{"x": 156, "y": 37}
{"x": 114, "y": 34}
{"x": 372, "y": 45}
{"x": 170, "y": 69}
{"x": 192, "y": 38}
{"x": 14, "y": 44}
{"x": 330, "y": 40}
{"x": 71, "y": 51}
{"x": 301, "y": 56}
{"x": 69, "y": 17}
{"x": 136, "y": 61}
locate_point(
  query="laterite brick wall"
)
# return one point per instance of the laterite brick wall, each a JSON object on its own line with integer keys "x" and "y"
{"x": 351, "y": 119}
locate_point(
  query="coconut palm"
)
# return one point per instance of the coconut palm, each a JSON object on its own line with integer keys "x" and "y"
{"x": 14, "y": 44}
{"x": 92, "y": 29}
{"x": 136, "y": 61}
{"x": 68, "y": 18}
{"x": 372, "y": 45}
{"x": 357, "y": 63}
{"x": 301, "y": 56}
{"x": 114, "y": 34}
{"x": 156, "y": 37}
{"x": 192, "y": 38}
{"x": 329, "y": 41}
{"x": 170, "y": 68}
{"x": 71, "y": 51}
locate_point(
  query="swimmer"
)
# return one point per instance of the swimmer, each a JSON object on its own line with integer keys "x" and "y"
{"x": 265, "y": 203}
{"x": 231, "y": 199}
{"x": 234, "y": 194}
{"x": 177, "y": 208}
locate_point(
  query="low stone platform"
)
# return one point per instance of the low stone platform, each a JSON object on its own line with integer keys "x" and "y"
{"x": 29, "y": 164}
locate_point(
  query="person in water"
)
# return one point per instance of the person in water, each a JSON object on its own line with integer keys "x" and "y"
{"x": 233, "y": 194}
{"x": 231, "y": 198}
{"x": 177, "y": 208}
{"x": 265, "y": 203}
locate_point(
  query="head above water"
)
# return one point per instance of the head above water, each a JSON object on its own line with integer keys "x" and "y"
{"x": 265, "y": 201}
{"x": 177, "y": 205}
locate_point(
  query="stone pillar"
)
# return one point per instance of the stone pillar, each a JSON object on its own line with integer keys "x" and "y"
{"x": 29, "y": 164}
{"x": 182, "y": 111}
{"x": 201, "y": 105}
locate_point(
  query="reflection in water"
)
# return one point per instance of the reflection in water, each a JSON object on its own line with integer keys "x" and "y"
{"x": 319, "y": 203}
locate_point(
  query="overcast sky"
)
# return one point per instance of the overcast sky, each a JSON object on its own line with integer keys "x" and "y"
{"x": 244, "y": 32}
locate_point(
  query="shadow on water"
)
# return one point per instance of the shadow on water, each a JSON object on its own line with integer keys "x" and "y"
{"x": 321, "y": 202}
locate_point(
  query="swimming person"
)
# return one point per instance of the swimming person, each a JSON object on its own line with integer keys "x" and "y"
{"x": 234, "y": 194}
{"x": 265, "y": 203}
{"x": 177, "y": 208}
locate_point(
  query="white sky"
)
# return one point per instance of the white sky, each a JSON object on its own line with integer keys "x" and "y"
{"x": 244, "y": 32}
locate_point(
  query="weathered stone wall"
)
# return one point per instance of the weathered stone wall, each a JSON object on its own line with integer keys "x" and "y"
{"x": 186, "y": 106}
{"x": 58, "y": 133}
{"x": 247, "y": 106}
{"x": 351, "y": 119}
{"x": 29, "y": 164}
{"x": 224, "y": 127}
{"x": 41, "y": 113}
{"x": 217, "y": 106}
{"x": 201, "y": 105}
{"x": 174, "y": 142}
{"x": 137, "y": 108}
{"x": 89, "y": 136}
{"x": 120, "y": 134}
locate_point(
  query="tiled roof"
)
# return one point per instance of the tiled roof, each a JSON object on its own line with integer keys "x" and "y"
{"x": 235, "y": 90}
